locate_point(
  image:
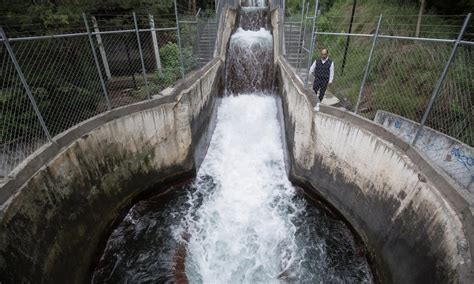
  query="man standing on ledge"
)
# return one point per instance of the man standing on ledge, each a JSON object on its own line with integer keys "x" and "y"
{"x": 323, "y": 71}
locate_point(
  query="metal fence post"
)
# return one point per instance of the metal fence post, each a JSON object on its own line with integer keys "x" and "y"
{"x": 179, "y": 39}
{"x": 367, "y": 67}
{"x": 101, "y": 48}
{"x": 102, "y": 83}
{"x": 346, "y": 48}
{"x": 436, "y": 90}
{"x": 285, "y": 39}
{"x": 304, "y": 35}
{"x": 156, "y": 48}
{"x": 313, "y": 42}
{"x": 211, "y": 51}
{"x": 24, "y": 83}
{"x": 198, "y": 38}
{"x": 137, "y": 32}
{"x": 282, "y": 31}
{"x": 301, "y": 36}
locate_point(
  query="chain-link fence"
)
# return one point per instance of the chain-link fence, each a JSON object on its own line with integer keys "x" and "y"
{"x": 393, "y": 65}
{"x": 53, "y": 79}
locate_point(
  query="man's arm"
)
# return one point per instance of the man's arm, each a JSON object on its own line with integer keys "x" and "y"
{"x": 311, "y": 70}
{"x": 331, "y": 73}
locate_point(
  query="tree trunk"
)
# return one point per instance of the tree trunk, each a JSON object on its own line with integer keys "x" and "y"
{"x": 420, "y": 15}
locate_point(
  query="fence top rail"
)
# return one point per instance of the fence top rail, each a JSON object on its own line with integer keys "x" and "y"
{"x": 43, "y": 37}
{"x": 27, "y": 38}
{"x": 419, "y": 38}
{"x": 466, "y": 42}
{"x": 344, "y": 34}
{"x": 395, "y": 37}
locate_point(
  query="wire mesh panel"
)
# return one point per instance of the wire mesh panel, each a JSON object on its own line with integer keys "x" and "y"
{"x": 190, "y": 37}
{"x": 402, "y": 76}
{"x": 126, "y": 84}
{"x": 119, "y": 53}
{"x": 453, "y": 111}
{"x": 20, "y": 131}
{"x": 431, "y": 26}
{"x": 297, "y": 35}
{"x": 63, "y": 79}
{"x": 169, "y": 54}
{"x": 207, "y": 27}
{"x": 198, "y": 31}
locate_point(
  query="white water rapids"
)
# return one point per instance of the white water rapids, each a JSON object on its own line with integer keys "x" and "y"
{"x": 243, "y": 230}
{"x": 240, "y": 225}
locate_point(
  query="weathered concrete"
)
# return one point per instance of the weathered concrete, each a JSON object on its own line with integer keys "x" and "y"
{"x": 225, "y": 30}
{"x": 61, "y": 201}
{"x": 417, "y": 226}
{"x": 275, "y": 22}
{"x": 451, "y": 155}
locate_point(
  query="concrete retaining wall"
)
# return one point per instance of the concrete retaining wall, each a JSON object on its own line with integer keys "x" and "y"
{"x": 417, "y": 227}
{"x": 454, "y": 157}
{"x": 72, "y": 190}
{"x": 226, "y": 28}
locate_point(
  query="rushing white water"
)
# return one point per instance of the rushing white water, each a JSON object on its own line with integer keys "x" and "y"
{"x": 248, "y": 39}
{"x": 243, "y": 230}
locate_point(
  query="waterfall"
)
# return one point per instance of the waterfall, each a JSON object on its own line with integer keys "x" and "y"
{"x": 250, "y": 62}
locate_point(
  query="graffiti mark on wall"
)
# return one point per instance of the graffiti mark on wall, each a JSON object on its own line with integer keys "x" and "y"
{"x": 462, "y": 157}
{"x": 398, "y": 124}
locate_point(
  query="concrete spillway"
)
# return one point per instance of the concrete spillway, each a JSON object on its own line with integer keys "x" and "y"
{"x": 59, "y": 205}
{"x": 241, "y": 220}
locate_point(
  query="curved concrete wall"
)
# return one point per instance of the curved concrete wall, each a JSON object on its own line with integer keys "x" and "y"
{"x": 72, "y": 190}
{"x": 418, "y": 228}
{"x": 451, "y": 155}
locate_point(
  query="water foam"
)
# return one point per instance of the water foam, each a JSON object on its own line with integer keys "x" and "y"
{"x": 242, "y": 231}
{"x": 247, "y": 38}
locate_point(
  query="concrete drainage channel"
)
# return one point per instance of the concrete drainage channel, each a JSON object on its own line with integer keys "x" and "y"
{"x": 416, "y": 224}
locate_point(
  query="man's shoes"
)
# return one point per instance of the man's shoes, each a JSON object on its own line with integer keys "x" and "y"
{"x": 316, "y": 108}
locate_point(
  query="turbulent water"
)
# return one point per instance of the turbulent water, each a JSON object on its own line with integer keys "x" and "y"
{"x": 243, "y": 231}
{"x": 250, "y": 62}
{"x": 254, "y": 18}
{"x": 240, "y": 220}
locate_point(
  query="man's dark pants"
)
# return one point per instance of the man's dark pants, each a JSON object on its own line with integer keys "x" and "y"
{"x": 321, "y": 85}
